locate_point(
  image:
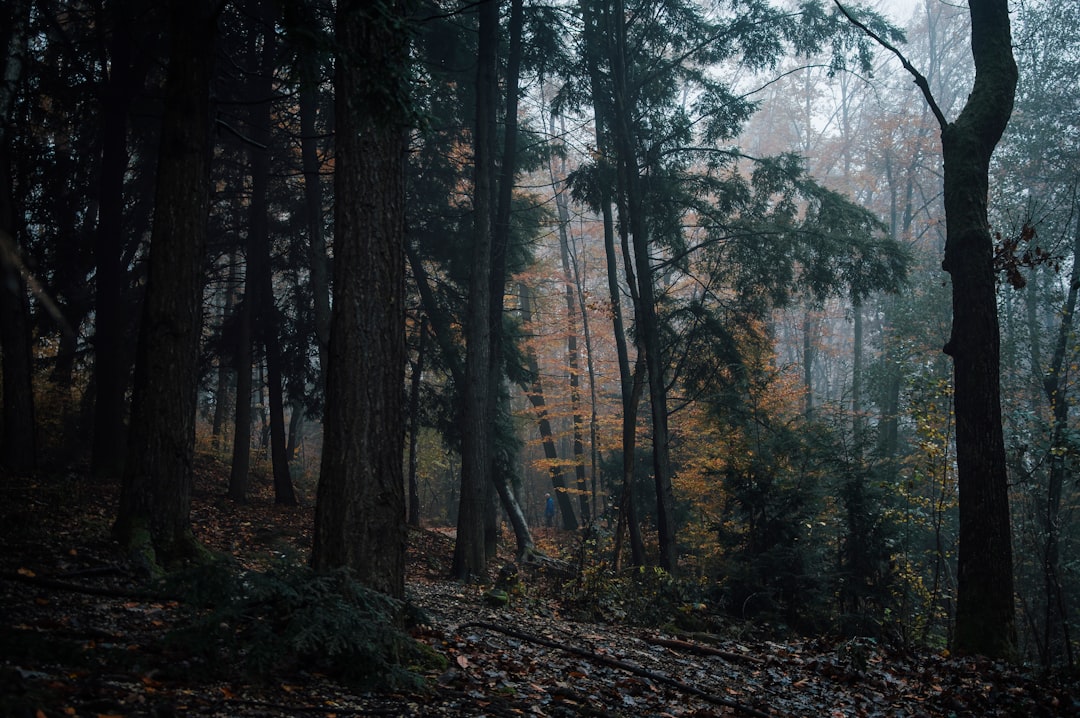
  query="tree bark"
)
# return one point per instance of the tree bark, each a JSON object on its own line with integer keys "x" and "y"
{"x": 645, "y": 308}
{"x": 985, "y": 614}
{"x": 155, "y": 499}
{"x": 360, "y": 509}
{"x": 469, "y": 559}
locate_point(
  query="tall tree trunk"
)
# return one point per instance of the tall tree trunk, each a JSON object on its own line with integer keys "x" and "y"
{"x": 645, "y": 310}
{"x": 18, "y": 452}
{"x": 310, "y": 76}
{"x": 470, "y": 560}
{"x": 985, "y": 614}
{"x": 155, "y": 499}
{"x": 572, "y": 361}
{"x": 112, "y": 324}
{"x": 259, "y": 241}
{"x": 360, "y": 509}
{"x": 630, "y": 382}
{"x": 440, "y": 328}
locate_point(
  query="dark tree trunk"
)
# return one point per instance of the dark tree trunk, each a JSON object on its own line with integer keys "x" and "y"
{"x": 470, "y": 560}
{"x": 112, "y": 322}
{"x": 985, "y": 614}
{"x": 630, "y": 381}
{"x": 310, "y": 76}
{"x": 242, "y": 360}
{"x": 259, "y": 240}
{"x": 645, "y": 309}
{"x": 17, "y": 453}
{"x": 224, "y": 398}
{"x": 414, "y": 422}
{"x": 360, "y": 510}
{"x": 155, "y": 500}
{"x": 440, "y": 328}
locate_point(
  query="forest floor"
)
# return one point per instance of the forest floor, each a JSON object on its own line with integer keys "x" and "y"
{"x": 80, "y": 636}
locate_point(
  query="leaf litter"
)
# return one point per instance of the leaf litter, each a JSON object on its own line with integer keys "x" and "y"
{"x": 80, "y": 636}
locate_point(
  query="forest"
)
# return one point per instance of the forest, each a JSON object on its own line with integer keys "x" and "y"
{"x": 753, "y": 315}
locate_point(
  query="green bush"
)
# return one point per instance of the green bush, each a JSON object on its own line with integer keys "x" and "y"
{"x": 265, "y": 624}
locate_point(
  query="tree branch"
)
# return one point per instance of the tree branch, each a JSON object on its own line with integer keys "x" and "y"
{"x": 920, "y": 79}
{"x": 621, "y": 665}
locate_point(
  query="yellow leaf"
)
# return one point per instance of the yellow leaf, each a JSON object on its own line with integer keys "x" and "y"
{"x": 26, "y": 572}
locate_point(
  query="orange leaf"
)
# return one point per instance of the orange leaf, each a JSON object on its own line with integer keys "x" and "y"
{"x": 26, "y": 572}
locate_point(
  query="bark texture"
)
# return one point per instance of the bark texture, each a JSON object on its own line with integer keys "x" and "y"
{"x": 360, "y": 510}
{"x": 985, "y": 613}
{"x": 155, "y": 500}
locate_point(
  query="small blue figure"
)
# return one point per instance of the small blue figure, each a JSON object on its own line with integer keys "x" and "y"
{"x": 549, "y": 511}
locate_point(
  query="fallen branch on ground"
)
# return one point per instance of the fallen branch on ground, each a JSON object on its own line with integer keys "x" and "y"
{"x": 678, "y": 645}
{"x": 619, "y": 664}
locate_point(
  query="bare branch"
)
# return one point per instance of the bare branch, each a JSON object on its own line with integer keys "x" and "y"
{"x": 920, "y": 79}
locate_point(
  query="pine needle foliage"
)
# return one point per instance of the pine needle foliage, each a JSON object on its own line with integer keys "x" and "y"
{"x": 268, "y": 624}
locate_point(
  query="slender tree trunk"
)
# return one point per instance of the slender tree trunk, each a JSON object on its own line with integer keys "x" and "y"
{"x": 155, "y": 499}
{"x": 856, "y": 375}
{"x": 470, "y": 560}
{"x": 535, "y": 393}
{"x": 647, "y": 322}
{"x": 18, "y": 452}
{"x": 572, "y": 360}
{"x": 225, "y": 400}
{"x": 259, "y": 240}
{"x": 414, "y": 422}
{"x": 630, "y": 382}
{"x": 242, "y": 359}
{"x": 360, "y": 509}
{"x": 809, "y": 333}
{"x": 440, "y": 327}
{"x": 313, "y": 204}
{"x": 112, "y": 323}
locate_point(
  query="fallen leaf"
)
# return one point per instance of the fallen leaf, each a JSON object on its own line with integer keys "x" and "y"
{"x": 26, "y": 572}
{"x": 463, "y": 661}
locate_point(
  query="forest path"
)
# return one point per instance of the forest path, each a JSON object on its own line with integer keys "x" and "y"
{"x": 80, "y": 637}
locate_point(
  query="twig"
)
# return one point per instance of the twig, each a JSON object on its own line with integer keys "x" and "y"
{"x": 619, "y": 664}
{"x": 702, "y": 650}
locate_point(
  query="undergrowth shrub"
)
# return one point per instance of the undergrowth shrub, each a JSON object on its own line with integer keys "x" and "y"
{"x": 289, "y": 618}
{"x": 640, "y": 595}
